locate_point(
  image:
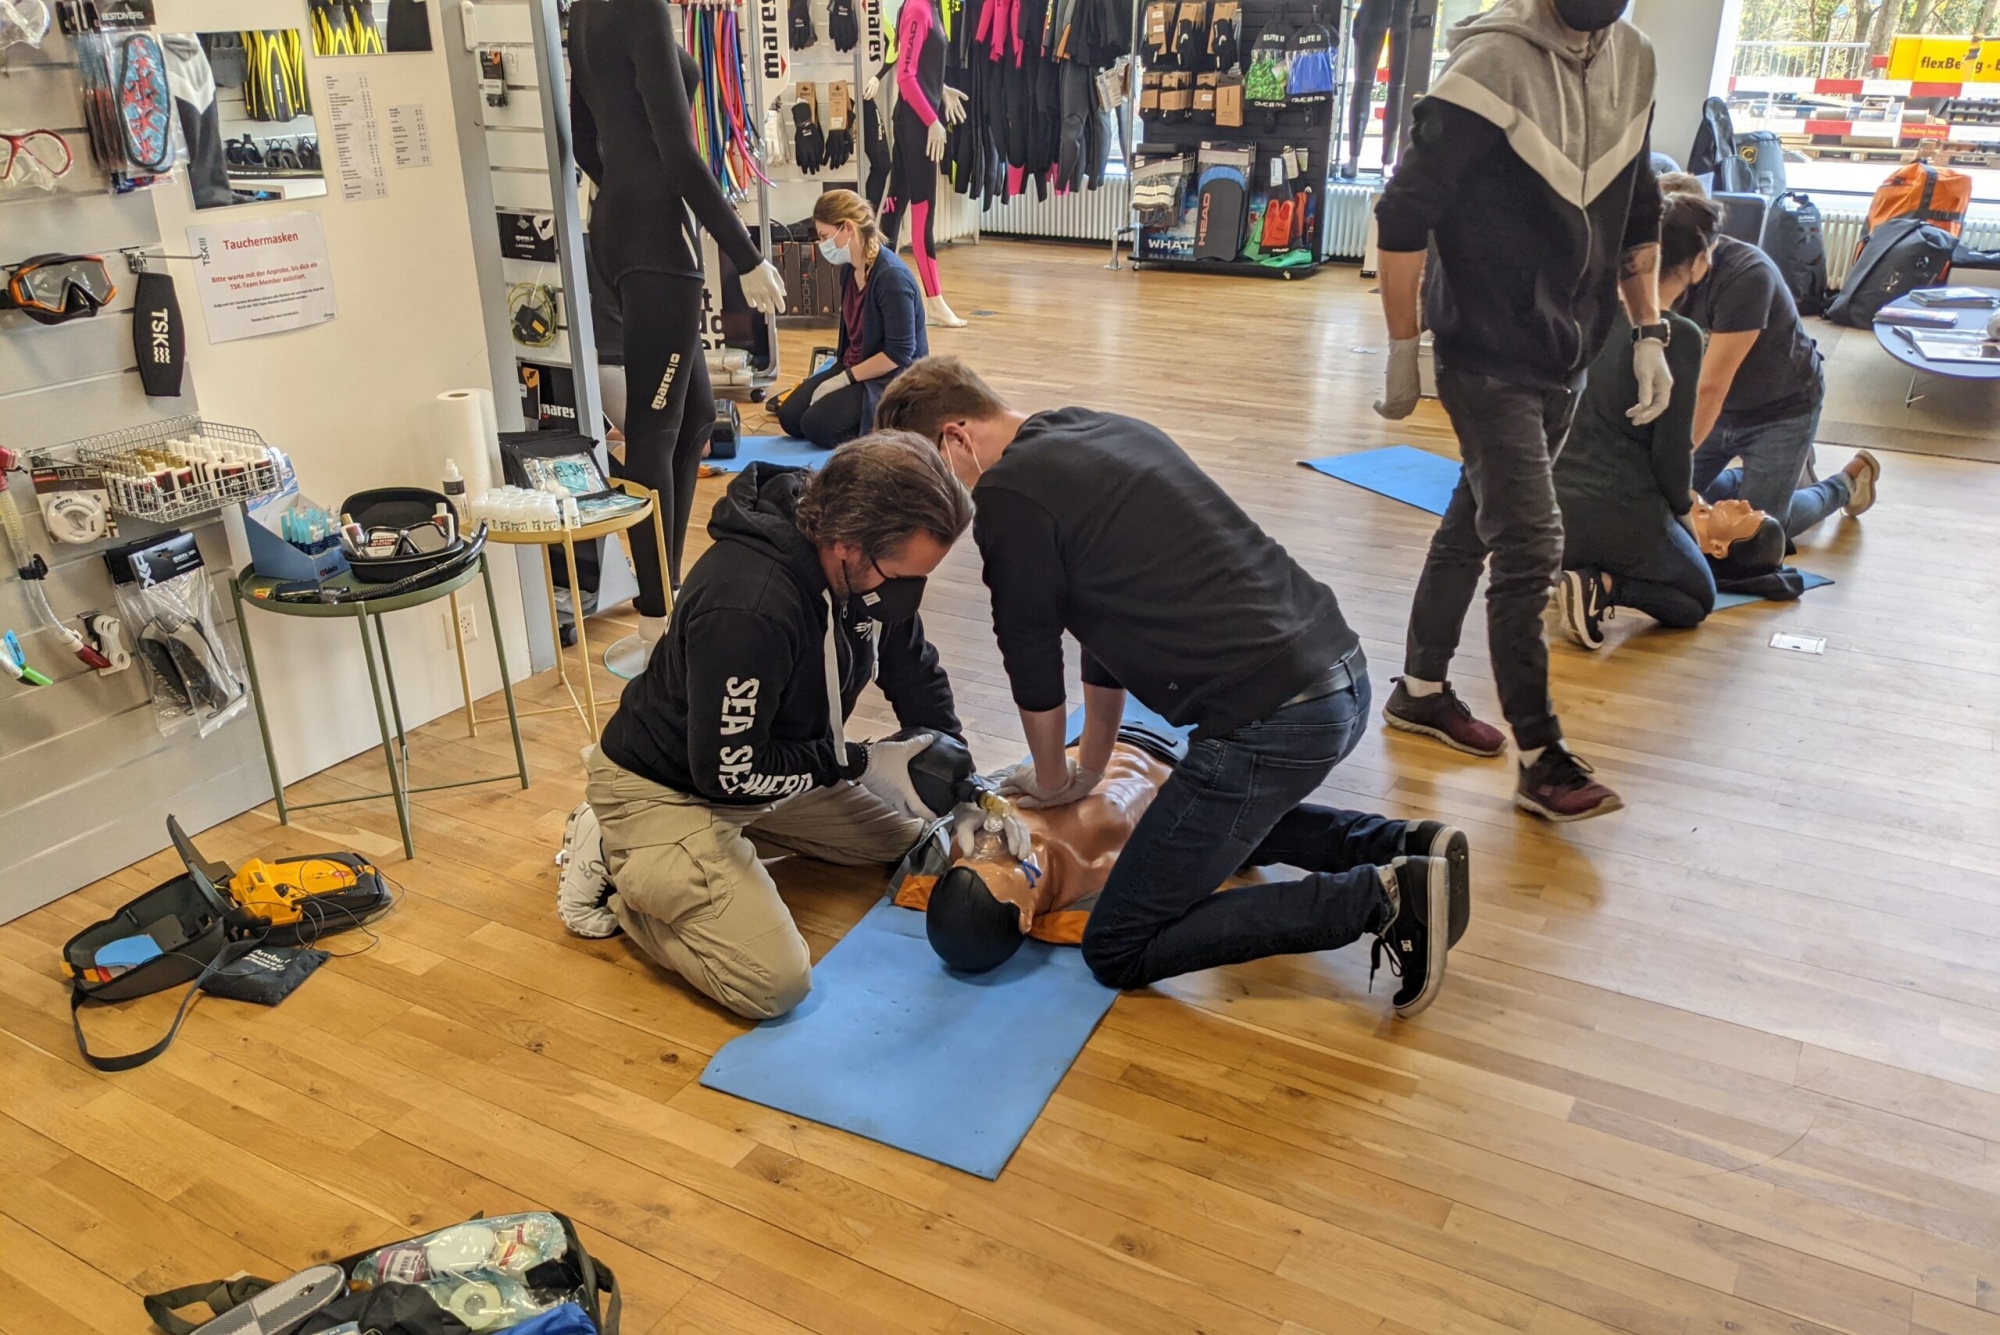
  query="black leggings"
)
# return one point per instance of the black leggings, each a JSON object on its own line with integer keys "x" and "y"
{"x": 669, "y": 414}
{"x": 1379, "y": 19}
{"x": 834, "y": 420}
{"x": 913, "y": 190}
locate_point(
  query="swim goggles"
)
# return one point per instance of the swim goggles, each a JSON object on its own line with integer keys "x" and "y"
{"x": 51, "y": 289}
{"x": 33, "y": 159}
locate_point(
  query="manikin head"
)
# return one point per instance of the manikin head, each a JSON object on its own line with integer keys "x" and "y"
{"x": 846, "y": 229}
{"x": 883, "y": 512}
{"x": 942, "y": 400}
{"x": 971, "y": 928}
{"x": 1689, "y": 225}
{"x": 1741, "y": 541}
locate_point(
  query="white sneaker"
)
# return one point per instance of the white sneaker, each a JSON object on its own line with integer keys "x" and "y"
{"x": 584, "y": 883}
{"x": 1861, "y": 490}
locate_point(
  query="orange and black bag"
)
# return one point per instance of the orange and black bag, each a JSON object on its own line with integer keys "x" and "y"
{"x": 1936, "y": 195}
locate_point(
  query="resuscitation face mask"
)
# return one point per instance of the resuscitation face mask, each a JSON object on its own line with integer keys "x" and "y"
{"x": 1590, "y": 15}
{"x": 893, "y": 601}
{"x": 835, "y": 254}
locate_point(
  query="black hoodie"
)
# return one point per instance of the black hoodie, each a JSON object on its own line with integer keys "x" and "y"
{"x": 733, "y": 707}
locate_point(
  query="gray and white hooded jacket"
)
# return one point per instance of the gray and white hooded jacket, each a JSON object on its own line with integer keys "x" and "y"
{"x": 1530, "y": 172}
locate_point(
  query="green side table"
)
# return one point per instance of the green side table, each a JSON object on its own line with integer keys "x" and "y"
{"x": 249, "y": 589}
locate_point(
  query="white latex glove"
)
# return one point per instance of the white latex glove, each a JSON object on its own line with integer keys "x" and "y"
{"x": 764, "y": 288}
{"x": 1404, "y": 381}
{"x": 777, "y": 144}
{"x": 954, "y": 106}
{"x": 833, "y": 384}
{"x": 872, "y": 87}
{"x": 1656, "y": 382}
{"x": 934, "y": 141}
{"x": 970, "y": 818}
{"x": 1024, "y": 785}
{"x": 888, "y": 773}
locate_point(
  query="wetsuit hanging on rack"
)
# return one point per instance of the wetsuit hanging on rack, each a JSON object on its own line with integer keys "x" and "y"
{"x": 918, "y": 146}
{"x": 634, "y": 136}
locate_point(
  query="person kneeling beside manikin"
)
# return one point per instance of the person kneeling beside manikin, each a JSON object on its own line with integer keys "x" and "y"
{"x": 731, "y": 745}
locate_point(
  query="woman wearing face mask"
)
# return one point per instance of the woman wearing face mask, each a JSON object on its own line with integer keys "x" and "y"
{"x": 881, "y": 327}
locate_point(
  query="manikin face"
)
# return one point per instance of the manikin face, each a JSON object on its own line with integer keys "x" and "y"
{"x": 1717, "y": 526}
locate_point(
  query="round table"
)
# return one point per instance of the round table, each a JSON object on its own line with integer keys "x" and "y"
{"x": 567, "y": 539}
{"x": 249, "y": 589}
{"x": 1896, "y": 341}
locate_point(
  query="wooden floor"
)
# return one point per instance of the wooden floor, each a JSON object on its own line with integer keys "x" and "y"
{"x": 1727, "y": 1061}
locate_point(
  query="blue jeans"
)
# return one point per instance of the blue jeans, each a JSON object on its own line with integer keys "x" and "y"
{"x": 1774, "y": 459}
{"x": 1237, "y": 801}
{"x": 1673, "y": 585}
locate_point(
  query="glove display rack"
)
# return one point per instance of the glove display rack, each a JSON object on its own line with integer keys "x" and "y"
{"x": 1238, "y": 107}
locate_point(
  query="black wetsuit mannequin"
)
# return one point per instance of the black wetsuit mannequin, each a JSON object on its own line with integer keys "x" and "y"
{"x": 1375, "y": 20}
{"x": 629, "y": 112}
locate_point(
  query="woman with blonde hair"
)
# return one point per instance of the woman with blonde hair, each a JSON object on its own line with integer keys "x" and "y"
{"x": 881, "y": 327}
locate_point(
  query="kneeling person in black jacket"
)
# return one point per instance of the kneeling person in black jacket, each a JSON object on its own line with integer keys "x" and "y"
{"x": 730, "y": 746}
{"x": 1101, "y": 526}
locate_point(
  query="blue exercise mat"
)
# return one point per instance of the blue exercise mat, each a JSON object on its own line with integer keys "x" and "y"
{"x": 1400, "y": 472}
{"x": 1724, "y": 601}
{"x": 893, "y": 1046}
{"x": 787, "y": 450}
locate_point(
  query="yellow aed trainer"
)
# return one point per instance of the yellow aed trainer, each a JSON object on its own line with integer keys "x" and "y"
{"x": 281, "y": 893}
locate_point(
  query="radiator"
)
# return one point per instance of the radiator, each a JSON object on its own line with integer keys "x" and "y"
{"x": 1094, "y": 215}
{"x": 1088, "y": 215}
{"x": 1844, "y": 228}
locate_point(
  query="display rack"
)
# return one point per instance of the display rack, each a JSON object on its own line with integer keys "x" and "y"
{"x": 1264, "y": 133}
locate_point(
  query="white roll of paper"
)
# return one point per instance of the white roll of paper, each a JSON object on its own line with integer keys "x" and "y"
{"x": 467, "y": 430}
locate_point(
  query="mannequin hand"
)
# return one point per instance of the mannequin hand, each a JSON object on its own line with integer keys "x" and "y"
{"x": 954, "y": 106}
{"x": 764, "y": 288}
{"x": 970, "y": 818}
{"x": 1024, "y": 785}
{"x": 1404, "y": 384}
{"x": 833, "y": 384}
{"x": 1656, "y": 382}
{"x": 872, "y": 87}
{"x": 934, "y": 142}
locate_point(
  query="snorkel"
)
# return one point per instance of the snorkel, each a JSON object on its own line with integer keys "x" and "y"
{"x": 33, "y": 570}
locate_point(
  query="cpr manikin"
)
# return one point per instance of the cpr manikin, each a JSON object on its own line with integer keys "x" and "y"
{"x": 980, "y": 907}
{"x": 917, "y": 144}
{"x": 634, "y": 136}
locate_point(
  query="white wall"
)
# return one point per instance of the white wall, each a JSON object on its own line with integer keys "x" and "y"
{"x": 349, "y": 400}
{"x": 1691, "y": 39}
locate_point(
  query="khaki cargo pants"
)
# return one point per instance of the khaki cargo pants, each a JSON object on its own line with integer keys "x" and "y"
{"x": 693, "y": 895}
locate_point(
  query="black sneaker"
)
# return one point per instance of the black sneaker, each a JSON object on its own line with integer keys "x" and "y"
{"x": 1580, "y": 599}
{"x": 1414, "y": 952}
{"x": 1446, "y": 846}
{"x": 1560, "y": 787}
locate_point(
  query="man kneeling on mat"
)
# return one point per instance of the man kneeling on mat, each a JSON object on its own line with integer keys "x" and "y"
{"x": 1101, "y": 526}
{"x": 731, "y": 746}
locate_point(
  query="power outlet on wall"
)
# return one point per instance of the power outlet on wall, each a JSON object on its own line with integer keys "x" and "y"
{"x": 468, "y": 626}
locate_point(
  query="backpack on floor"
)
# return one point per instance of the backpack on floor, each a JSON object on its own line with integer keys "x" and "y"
{"x": 1795, "y": 239}
{"x": 1714, "y": 141}
{"x": 1935, "y": 195}
{"x": 1898, "y": 257}
{"x": 1758, "y": 166}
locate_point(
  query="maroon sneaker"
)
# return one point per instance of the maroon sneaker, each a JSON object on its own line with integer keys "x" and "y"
{"x": 1559, "y": 787}
{"x": 1445, "y": 717}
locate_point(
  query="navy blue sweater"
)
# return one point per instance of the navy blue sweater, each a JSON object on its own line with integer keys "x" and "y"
{"x": 892, "y": 320}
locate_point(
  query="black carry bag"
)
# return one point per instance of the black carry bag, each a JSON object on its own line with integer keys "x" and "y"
{"x": 188, "y": 918}
{"x": 1795, "y": 239}
{"x": 1901, "y": 256}
{"x": 1759, "y": 164}
{"x": 1714, "y": 143}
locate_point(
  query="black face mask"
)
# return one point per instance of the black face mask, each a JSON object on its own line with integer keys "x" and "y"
{"x": 1590, "y": 15}
{"x": 891, "y": 602}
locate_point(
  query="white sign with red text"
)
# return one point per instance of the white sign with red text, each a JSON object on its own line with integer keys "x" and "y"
{"x": 261, "y": 275}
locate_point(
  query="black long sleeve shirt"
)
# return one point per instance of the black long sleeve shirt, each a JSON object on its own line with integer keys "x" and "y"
{"x": 1102, "y": 526}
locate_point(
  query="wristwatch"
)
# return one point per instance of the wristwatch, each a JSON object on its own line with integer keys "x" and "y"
{"x": 1661, "y": 333}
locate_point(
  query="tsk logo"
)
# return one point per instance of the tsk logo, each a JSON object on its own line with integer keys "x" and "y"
{"x": 163, "y": 347}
